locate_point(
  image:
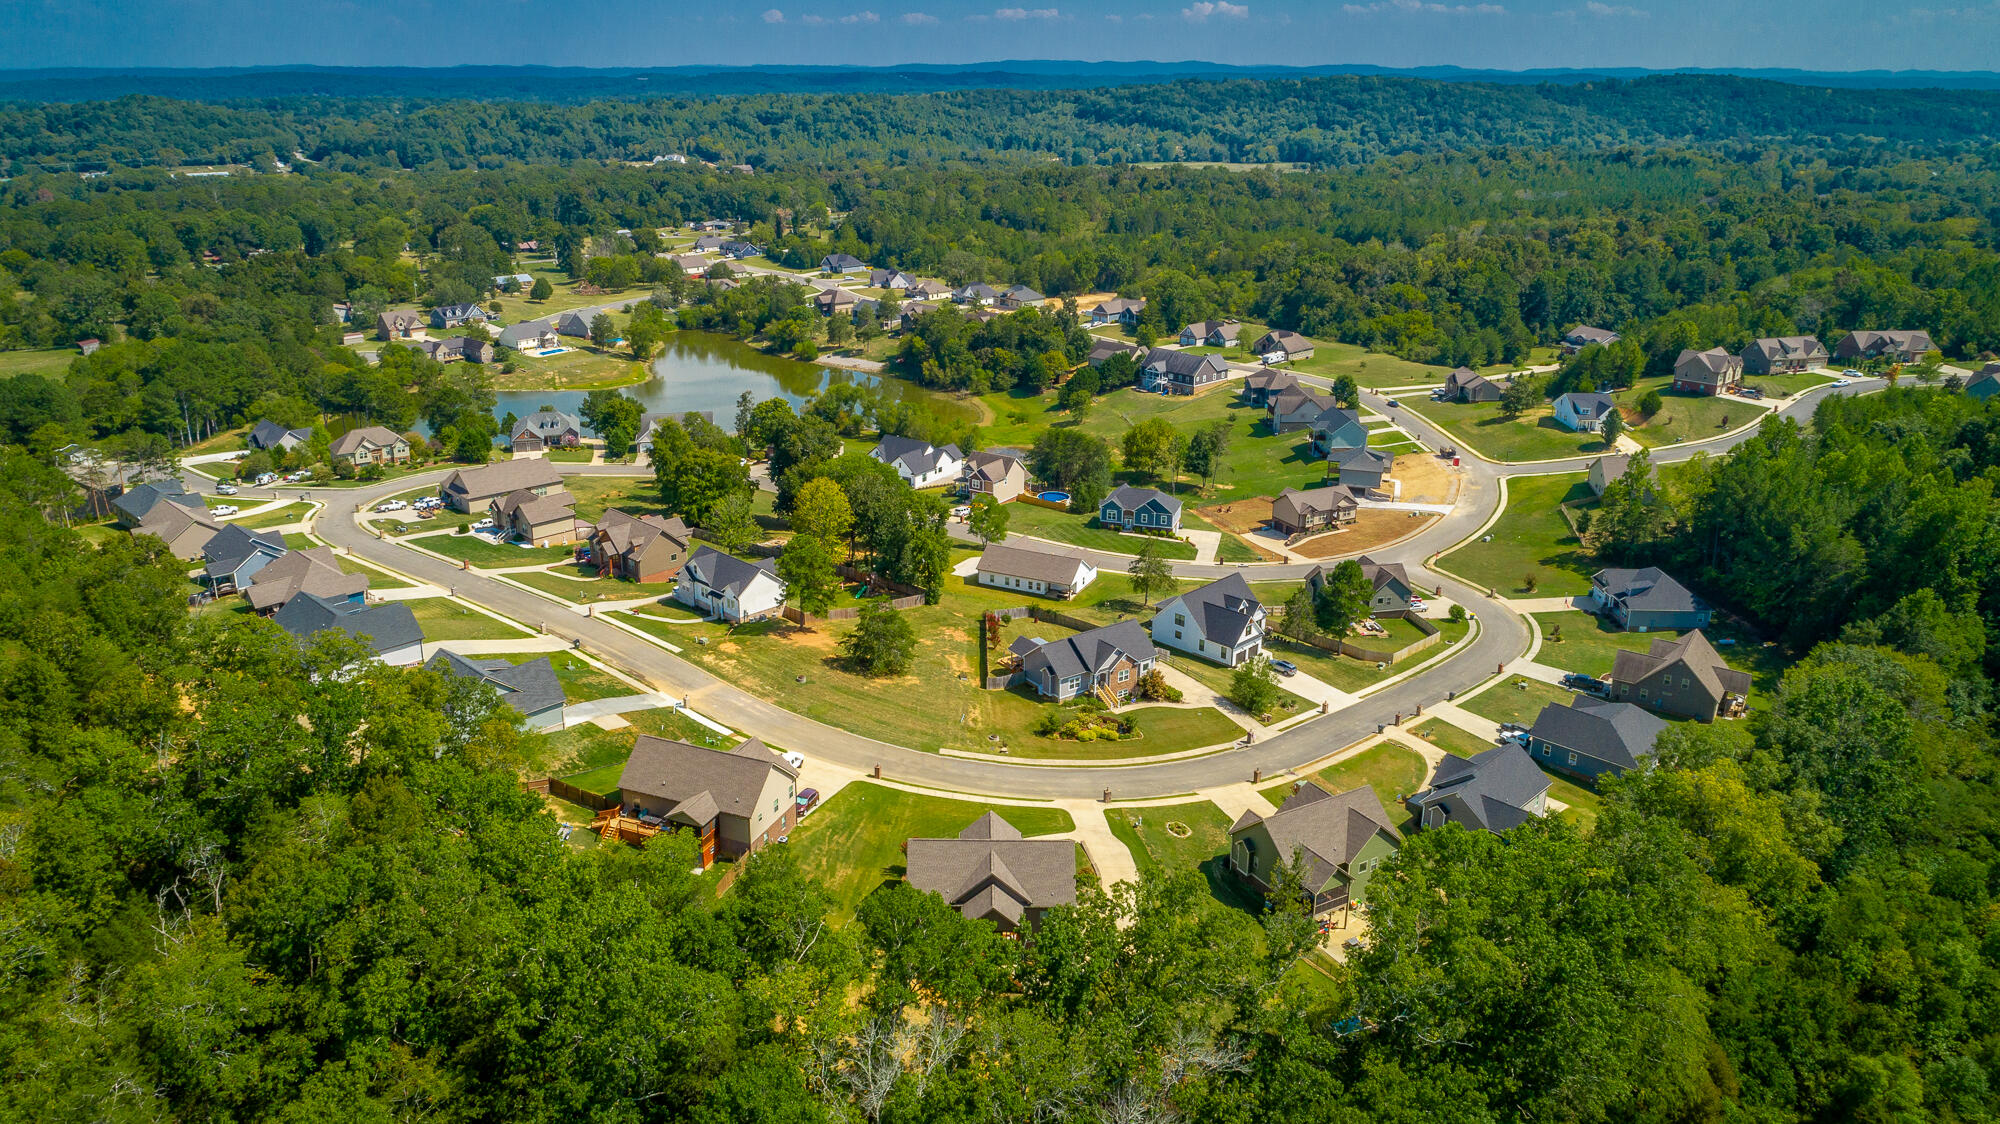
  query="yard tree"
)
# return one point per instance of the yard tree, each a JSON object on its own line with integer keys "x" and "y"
{"x": 1614, "y": 426}
{"x": 1253, "y": 687}
{"x": 882, "y": 642}
{"x": 807, "y": 569}
{"x": 692, "y": 480}
{"x": 1521, "y": 394}
{"x": 731, "y": 522}
{"x": 1151, "y": 573}
{"x": 988, "y": 519}
{"x": 745, "y": 403}
{"x": 1077, "y": 394}
{"x": 541, "y": 290}
{"x": 839, "y": 331}
{"x": 1205, "y": 450}
{"x": 821, "y": 509}
{"x": 603, "y": 410}
{"x": 1650, "y": 403}
{"x": 1300, "y": 616}
{"x": 1075, "y": 461}
{"x": 602, "y": 329}
{"x": 1342, "y": 599}
{"x": 1347, "y": 392}
{"x": 1148, "y": 446}
{"x": 1117, "y": 372}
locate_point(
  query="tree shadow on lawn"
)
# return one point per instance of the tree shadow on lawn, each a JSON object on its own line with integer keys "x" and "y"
{"x": 1225, "y": 887}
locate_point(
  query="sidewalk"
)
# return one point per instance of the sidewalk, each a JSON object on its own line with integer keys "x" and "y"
{"x": 503, "y": 647}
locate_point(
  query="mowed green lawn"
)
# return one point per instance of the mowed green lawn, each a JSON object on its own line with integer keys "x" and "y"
{"x": 1368, "y": 368}
{"x": 1450, "y": 738}
{"x": 1391, "y": 770}
{"x": 1534, "y": 436}
{"x": 1682, "y": 417}
{"x": 1081, "y": 530}
{"x": 491, "y": 555}
{"x": 852, "y": 844}
{"x": 49, "y": 362}
{"x": 1517, "y": 700}
{"x": 445, "y": 619}
{"x": 587, "y": 587}
{"x": 1587, "y": 646}
{"x": 1530, "y": 537}
{"x": 1151, "y": 834}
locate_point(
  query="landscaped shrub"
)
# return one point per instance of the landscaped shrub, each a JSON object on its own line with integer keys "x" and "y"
{"x": 1153, "y": 686}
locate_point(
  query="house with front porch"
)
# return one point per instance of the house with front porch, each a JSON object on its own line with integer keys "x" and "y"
{"x": 546, "y": 429}
{"x": 1778, "y": 355}
{"x": 1107, "y": 662}
{"x": 547, "y": 519}
{"x": 1393, "y": 589}
{"x": 1468, "y": 385}
{"x": 468, "y": 490}
{"x": 1894, "y": 345}
{"x": 990, "y": 873}
{"x": 370, "y": 444}
{"x": 1222, "y": 622}
{"x": 999, "y": 475}
{"x": 1333, "y": 841}
{"x": 1581, "y": 336}
{"x": 1711, "y": 372}
{"x": 1211, "y": 333}
{"x": 1131, "y": 508}
{"x": 1685, "y": 677}
{"x": 1281, "y": 346}
{"x": 1259, "y": 387}
{"x": 1582, "y": 411}
{"x": 1118, "y": 310}
{"x": 1166, "y": 371}
{"x": 920, "y": 463}
{"x": 639, "y": 548}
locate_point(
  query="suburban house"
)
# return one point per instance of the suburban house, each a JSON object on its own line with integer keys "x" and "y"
{"x": 729, "y": 589}
{"x": 710, "y": 243}
{"x": 1107, "y": 662}
{"x": 1605, "y": 469}
{"x": 914, "y": 311}
{"x": 1985, "y": 384}
{"x": 977, "y": 293}
{"x": 1100, "y": 350}
{"x": 183, "y": 523}
{"x": 738, "y": 249}
{"x": 998, "y": 475}
{"x": 1333, "y": 842}
{"x": 694, "y": 265}
{"x": 1281, "y": 346}
{"x": 457, "y": 348}
{"x": 1590, "y": 737}
{"x": 574, "y": 324}
{"x": 296, "y": 572}
{"x": 833, "y": 301}
{"x": 1582, "y": 411}
{"x": 1358, "y": 467}
{"x": 1047, "y": 573}
{"x": 736, "y": 803}
{"x": 1211, "y": 333}
{"x": 1390, "y": 581}
{"x": 1684, "y": 677}
{"x": 1118, "y": 310}
{"x": 1295, "y": 408}
{"x": 990, "y": 873}
{"x": 389, "y": 629}
{"x": 1494, "y": 790}
{"x": 545, "y": 428}
{"x": 890, "y": 279}
{"x": 531, "y": 688}
{"x": 1643, "y": 600}
{"x": 1895, "y": 346}
{"x": 399, "y": 324}
{"x": 1016, "y": 297}
{"x": 1130, "y": 507}
{"x": 1222, "y": 622}
{"x": 1467, "y": 385}
{"x": 931, "y": 290}
{"x": 522, "y": 282}
{"x": 530, "y": 335}
{"x": 370, "y": 444}
{"x": 841, "y": 263}
{"x": 1714, "y": 371}
{"x": 138, "y": 501}
{"x": 639, "y": 548}
{"x": 1260, "y": 386}
{"x": 1308, "y": 512}
{"x": 1180, "y": 372}
{"x": 544, "y": 519}
{"x": 1336, "y": 429}
{"x": 920, "y": 463}
{"x": 267, "y": 434}
{"x": 235, "y": 554}
{"x": 1776, "y": 355}
{"x": 1583, "y": 335}
{"x": 471, "y": 489}
{"x": 452, "y": 315}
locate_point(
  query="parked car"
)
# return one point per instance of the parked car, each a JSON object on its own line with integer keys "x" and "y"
{"x": 225, "y": 489}
{"x": 1285, "y": 667}
{"x": 1838, "y": 383}
{"x": 1852, "y": 373}
{"x": 795, "y": 759}
{"x": 392, "y": 505}
{"x": 808, "y": 800}
{"x": 485, "y": 524}
{"x": 1576, "y": 681}
{"x": 225, "y": 509}
{"x": 264, "y": 478}
{"x": 1391, "y": 402}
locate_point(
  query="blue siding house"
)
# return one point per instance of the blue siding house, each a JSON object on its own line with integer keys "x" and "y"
{"x": 1140, "y": 509}
{"x": 1590, "y": 737}
{"x": 1644, "y": 600}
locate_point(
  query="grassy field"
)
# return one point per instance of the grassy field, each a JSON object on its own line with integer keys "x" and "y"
{"x": 1450, "y": 738}
{"x": 1534, "y": 436}
{"x": 581, "y": 454}
{"x": 1368, "y": 368}
{"x": 445, "y": 619}
{"x": 1587, "y": 646}
{"x": 589, "y": 591}
{"x": 1349, "y": 674}
{"x": 1149, "y": 833}
{"x": 853, "y": 843}
{"x": 480, "y": 552}
{"x": 1391, "y": 770}
{"x": 1682, "y": 417}
{"x": 1530, "y": 537}
{"x": 1063, "y": 527}
{"x": 581, "y": 681}
{"x": 1584, "y": 804}
{"x": 1162, "y": 729}
{"x": 1784, "y": 386}
{"x": 938, "y": 703}
{"x": 1516, "y": 700}
{"x": 592, "y": 758}
{"x": 50, "y": 362}
{"x": 1230, "y": 549}
{"x": 276, "y": 517}
{"x": 634, "y": 495}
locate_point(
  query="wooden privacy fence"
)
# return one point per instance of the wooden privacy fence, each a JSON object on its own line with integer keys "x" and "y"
{"x": 1050, "y": 616}
{"x": 562, "y": 790}
{"x": 1430, "y": 638}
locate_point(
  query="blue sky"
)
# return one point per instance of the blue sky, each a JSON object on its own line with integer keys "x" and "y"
{"x": 1503, "y": 34}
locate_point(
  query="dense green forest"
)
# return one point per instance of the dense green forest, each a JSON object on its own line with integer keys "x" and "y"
{"x": 1333, "y": 121}
{"x": 237, "y": 883}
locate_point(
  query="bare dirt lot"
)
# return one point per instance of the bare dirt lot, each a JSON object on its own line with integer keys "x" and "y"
{"x": 1428, "y": 478}
{"x": 1239, "y": 516}
{"x": 1370, "y": 529}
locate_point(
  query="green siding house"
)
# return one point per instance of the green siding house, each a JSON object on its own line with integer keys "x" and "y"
{"x": 1334, "y": 840}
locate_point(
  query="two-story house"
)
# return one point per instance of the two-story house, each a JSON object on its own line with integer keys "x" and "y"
{"x": 920, "y": 463}
{"x": 728, "y": 588}
{"x": 370, "y": 444}
{"x": 1132, "y": 508}
{"x": 735, "y": 803}
{"x": 1222, "y": 622}
{"x": 1332, "y": 841}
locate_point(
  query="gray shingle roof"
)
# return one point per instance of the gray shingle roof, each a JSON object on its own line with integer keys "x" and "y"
{"x": 921, "y": 458}
{"x": 382, "y": 437}
{"x": 1033, "y": 565}
{"x": 1090, "y": 652}
{"x": 386, "y": 627}
{"x": 1613, "y": 732}
{"x": 1703, "y": 662}
{"x": 1329, "y": 827}
{"x": 1225, "y": 609}
{"x": 989, "y": 870}
{"x": 1489, "y": 790}
{"x": 726, "y": 572}
{"x": 1584, "y": 334}
{"x": 529, "y": 687}
{"x": 501, "y": 477}
{"x": 1588, "y": 405}
{"x": 1787, "y": 347}
{"x": 547, "y": 424}
{"x": 139, "y": 500}
{"x": 1131, "y": 498}
{"x": 514, "y": 335}
{"x": 310, "y": 571}
{"x": 1183, "y": 364}
{"x": 1361, "y": 458}
{"x": 1649, "y": 589}
{"x": 234, "y": 545}
{"x": 699, "y": 780}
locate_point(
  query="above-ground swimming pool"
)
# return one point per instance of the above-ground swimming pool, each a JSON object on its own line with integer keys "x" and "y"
{"x": 1054, "y": 497}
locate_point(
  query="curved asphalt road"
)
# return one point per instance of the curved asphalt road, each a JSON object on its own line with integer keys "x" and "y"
{"x": 1503, "y": 636}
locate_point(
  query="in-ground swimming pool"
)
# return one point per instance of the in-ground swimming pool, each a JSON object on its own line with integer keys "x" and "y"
{"x": 1054, "y": 497}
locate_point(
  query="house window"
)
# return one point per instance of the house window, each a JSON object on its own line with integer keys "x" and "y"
{"x": 1124, "y": 674}
{"x": 1180, "y": 619}
{"x": 1547, "y": 749}
{"x": 1572, "y": 757}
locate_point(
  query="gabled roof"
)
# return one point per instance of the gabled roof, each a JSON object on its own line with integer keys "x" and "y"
{"x": 380, "y": 437}
{"x": 267, "y": 434}
{"x": 1649, "y": 589}
{"x": 920, "y": 458}
{"x": 537, "y": 510}
{"x": 387, "y": 626}
{"x": 546, "y": 423}
{"x": 1225, "y": 609}
{"x": 1300, "y": 502}
{"x": 172, "y": 518}
{"x": 1117, "y": 306}
{"x": 1271, "y": 380}
{"x": 990, "y": 872}
{"x": 1129, "y": 497}
{"x": 1616, "y": 733}
{"x": 843, "y": 261}
{"x": 501, "y": 477}
{"x": 1585, "y": 334}
{"x": 699, "y": 782}
{"x": 726, "y": 572}
{"x": 1093, "y": 651}
{"x": 1184, "y": 364}
{"x": 1329, "y": 828}
{"x": 529, "y": 687}
{"x": 1361, "y": 458}
{"x": 1715, "y": 361}
{"x": 1380, "y": 574}
{"x": 312, "y": 571}
{"x": 1101, "y": 350}
{"x": 1866, "y": 339}
{"x": 228, "y": 549}
{"x": 1293, "y": 399}
{"x": 625, "y": 533}
{"x": 1022, "y": 294}
{"x": 139, "y": 500}
{"x": 978, "y": 290}
{"x": 574, "y": 323}
{"x": 1205, "y": 328}
{"x": 1489, "y": 790}
{"x": 459, "y": 312}
{"x": 513, "y": 335}
{"x": 993, "y": 467}
{"x": 1033, "y": 565}
{"x": 1587, "y": 404}
{"x": 1278, "y": 339}
{"x": 1786, "y": 347}
{"x": 1692, "y": 651}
